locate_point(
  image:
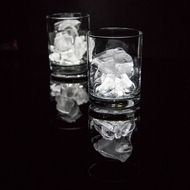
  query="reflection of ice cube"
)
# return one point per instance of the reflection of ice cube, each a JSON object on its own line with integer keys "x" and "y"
{"x": 55, "y": 89}
{"x": 69, "y": 96}
{"x": 76, "y": 92}
{"x": 68, "y": 108}
{"x": 119, "y": 149}
{"x": 114, "y": 68}
{"x": 110, "y": 130}
{"x": 116, "y": 138}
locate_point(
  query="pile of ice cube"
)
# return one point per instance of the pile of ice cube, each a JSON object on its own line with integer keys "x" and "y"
{"x": 114, "y": 69}
{"x": 116, "y": 149}
{"x": 111, "y": 130}
{"x": 116, "y": 138}
{"x": 69, "y": 47}
{"x": 68, "y": 98}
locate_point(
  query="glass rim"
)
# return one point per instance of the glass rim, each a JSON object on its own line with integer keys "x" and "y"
{"x": 65, "y": 15}
{"x": 92, "y": 33}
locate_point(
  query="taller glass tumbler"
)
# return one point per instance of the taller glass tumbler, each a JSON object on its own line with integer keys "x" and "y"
{"x": 67, "y": 44}
{"x": 114, "y": 63}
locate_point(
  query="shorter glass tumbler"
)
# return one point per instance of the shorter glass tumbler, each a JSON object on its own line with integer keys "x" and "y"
{"x": 67, "y": 44}
{"x": 114, "y": 63}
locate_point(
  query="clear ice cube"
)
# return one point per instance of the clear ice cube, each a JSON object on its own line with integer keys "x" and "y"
{"x": 116, "y": 138}
{"x": 55, "y": 89}
{"x": 110, "y": 130}
{"x": 67, "y": 24}
{"x": 115, "y": 43}
{"x": 69, "y": 47}
{"x": 116, "y": 149}
{"x": 113, "y": 71}
{"x": 68, "y": 109}
{"x": 68, "y": 99}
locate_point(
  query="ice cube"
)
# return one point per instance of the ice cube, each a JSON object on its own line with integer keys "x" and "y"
{"x": 55, "y": 57}
{"x": 104, "y": 128}
{"x": 67, "y": 24}
{"x": 106, "y": 86}
{"x": 91, "y": 45}
{"x": 63, "y": 42}
{"x": 81, "y": 96}
{"x": 124, "y": 85}
{"x": 113, "y": 129}
{"x": 116, "y": 149}
{"x": 112, "y": 77}
{"x": 114, "y": 138}
{"x": 55, "y": 89}
{"x": 80, "y": 46}
{"x": 69, "y": 48}
{"x": 75, "y": 92}
{"x": 123, "y": 147}
{"x": 115, "y": 43}
{"x": 110, "y": 86}
{"x": 114, "y": 61}
{"x": 68, "y": 109}
{"x": 64, "y": 58}
{"x": 69, "y": 100}
{"x": 69, "y": 58}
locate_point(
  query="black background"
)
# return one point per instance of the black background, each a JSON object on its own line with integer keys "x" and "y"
{"x": 29, "y": 148}
{"x": 164, "y": 23}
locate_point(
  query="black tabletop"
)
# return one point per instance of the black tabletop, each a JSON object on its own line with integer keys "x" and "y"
{"x": 38, "y": 151}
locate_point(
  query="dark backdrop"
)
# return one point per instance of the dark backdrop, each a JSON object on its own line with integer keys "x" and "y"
{"x": 165, "y": 89}
{"x": 164, "y": 23}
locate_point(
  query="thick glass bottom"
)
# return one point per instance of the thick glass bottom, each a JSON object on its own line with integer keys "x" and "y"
{"x": 115, "y": 103}
{"x": 75, "y": 71}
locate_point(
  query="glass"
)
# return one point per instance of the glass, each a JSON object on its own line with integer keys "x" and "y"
{"x": 67, "y": 44}
{"x": 114, "y": 64}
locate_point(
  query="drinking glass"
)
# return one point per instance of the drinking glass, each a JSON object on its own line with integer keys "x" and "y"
{"x": 114, "y": 65}
{"x": 67, "y": 44}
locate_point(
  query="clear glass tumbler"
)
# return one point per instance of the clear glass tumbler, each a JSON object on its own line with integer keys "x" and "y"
{"x": 114, "y": 64}
{"x": 67, "y": 44}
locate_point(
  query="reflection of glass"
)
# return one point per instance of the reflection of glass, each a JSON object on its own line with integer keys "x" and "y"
{"x": 69, "y": 96}
{"x": 67, "y": 44}
{"x": 115, "y": 66}
{"x": 111, "y": 131}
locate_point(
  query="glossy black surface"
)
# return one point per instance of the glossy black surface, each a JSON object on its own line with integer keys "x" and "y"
{"x": 36, "y": 153}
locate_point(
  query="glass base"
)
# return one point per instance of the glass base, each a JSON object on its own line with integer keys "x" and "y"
{"x": 74, "y": 71}
{"x": 115, "y": 103}
{"x": 100, "y": 112}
